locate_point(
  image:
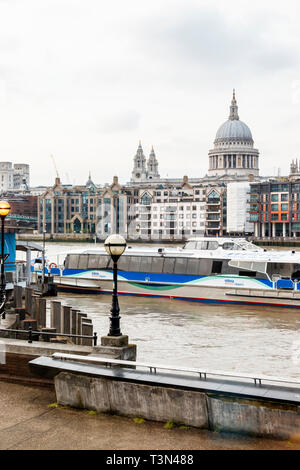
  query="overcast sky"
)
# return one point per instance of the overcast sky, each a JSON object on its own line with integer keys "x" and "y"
{"x": 84, "y": 80}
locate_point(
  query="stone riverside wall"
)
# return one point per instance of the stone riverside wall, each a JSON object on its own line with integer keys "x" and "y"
{"x": 199, "y": 409}
{"x": 16, "y": 353}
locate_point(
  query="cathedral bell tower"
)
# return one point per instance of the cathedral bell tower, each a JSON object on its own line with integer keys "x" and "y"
{"x": 152, "y": 166}
{"x": 139, "y": 172}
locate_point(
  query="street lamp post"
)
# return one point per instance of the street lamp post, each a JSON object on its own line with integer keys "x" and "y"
{"x": 43, "y": 261}
{"x": 115, "y": 246}
{"x": 4, "y": 211}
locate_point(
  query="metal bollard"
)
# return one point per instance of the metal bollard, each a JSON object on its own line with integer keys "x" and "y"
{"x": 95, "y": 338}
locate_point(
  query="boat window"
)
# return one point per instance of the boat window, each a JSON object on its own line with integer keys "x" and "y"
{"x": 213, "y": 245}
{"x": 205, "y": 267}
{"x": 247, "y": 273}
{"x": 93, "y": 261}
{"x": 190, "y": 246}
{"x": 282, "y": 269}
{"x": 83, "y": 261}
{"x": 228, "y": 246}
{"x": 105, "y": 262}
{"x": 180, "y": 266}
{"x": 157, "y": 265}
{"x": 202, "y": 245}
{"x": 253, "y": 266}
{"x": 72, "y": 261}
{"x": 216, "y": 267}
{"x": 169, "y": 265}
{"x": 135, "y": 263}
{"x": 296, "y": 272}
{"x": 123, "y": 263}
{"x": 192, "y": 266}
{"x": 226, "y": 269}
{"x": 145, "y": 266}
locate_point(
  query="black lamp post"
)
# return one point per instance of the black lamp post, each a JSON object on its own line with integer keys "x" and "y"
{"x": 4, "y": 211}
{"x": 43, "y": 261}
{"x": 115, "y": 246}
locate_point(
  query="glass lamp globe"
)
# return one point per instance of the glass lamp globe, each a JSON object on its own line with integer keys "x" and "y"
{"x": 115, "y": 245}
{"x": 4, "y": 208}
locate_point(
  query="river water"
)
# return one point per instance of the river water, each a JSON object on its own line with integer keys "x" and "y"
{"x": 235, "y": 338}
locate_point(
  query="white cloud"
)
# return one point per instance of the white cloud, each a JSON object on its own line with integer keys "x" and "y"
{"x": 85, "y": 80}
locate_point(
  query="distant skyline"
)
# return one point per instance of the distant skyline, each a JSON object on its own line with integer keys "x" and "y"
{"x": 84, "y": 81}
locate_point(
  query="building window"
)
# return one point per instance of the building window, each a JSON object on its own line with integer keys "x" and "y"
{"x": 274, "y": 198}
{"x": 146, "y": 199}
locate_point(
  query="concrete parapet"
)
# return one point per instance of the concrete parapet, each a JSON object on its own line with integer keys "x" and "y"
{"x": 193, "y": 408}
{"x": 116, "y": 347}
{"x": 259, "y": 417}
{"x": 114, "y": 341}
{"x": 18, "y": 353}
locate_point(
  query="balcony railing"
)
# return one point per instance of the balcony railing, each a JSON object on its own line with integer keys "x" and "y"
{"x": 213, "y": 210}
{"x": 213, "y": 201}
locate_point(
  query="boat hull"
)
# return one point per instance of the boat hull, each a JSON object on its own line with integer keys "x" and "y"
{"x": 190, "y": 292}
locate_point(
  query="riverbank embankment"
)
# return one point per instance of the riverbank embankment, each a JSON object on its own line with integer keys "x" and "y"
{"x": 30, "y": 419}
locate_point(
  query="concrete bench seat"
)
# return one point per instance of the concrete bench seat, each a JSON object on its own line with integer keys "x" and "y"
{"x": 203, "y": 373}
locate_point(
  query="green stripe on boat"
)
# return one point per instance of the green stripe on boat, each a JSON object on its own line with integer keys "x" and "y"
{"x": 144, "y": 286}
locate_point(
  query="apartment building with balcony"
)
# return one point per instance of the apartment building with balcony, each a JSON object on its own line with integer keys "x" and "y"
{"x": 275, "y": 208}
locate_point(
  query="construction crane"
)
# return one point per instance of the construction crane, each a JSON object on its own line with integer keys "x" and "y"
{"x": 57, "y": 175}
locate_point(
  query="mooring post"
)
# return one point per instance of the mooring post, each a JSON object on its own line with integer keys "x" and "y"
{"x": 66, "y": 323}
{"x": 55, "y": 316}
{"x": 42, "y": 312}
{"x": 87, "y": 330}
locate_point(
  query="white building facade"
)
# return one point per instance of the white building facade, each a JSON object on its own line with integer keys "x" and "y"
{"x": 14, "y": 176}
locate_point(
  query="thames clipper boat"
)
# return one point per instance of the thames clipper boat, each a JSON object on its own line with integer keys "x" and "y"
{"x": 230, "y": 270}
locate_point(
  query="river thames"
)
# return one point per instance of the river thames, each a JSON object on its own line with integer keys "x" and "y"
{"x": 235, "y": 338}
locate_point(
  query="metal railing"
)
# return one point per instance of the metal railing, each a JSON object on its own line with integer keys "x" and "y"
{"x": 203, "y": 373}
{"x": 31, "y": 334}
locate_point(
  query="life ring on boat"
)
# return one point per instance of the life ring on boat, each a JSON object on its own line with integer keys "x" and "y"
{"x": 52, "y": 265}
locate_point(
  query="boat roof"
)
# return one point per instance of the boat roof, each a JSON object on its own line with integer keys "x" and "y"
{"x": 220, "y": 240}
{"x": 264, "y": 256}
